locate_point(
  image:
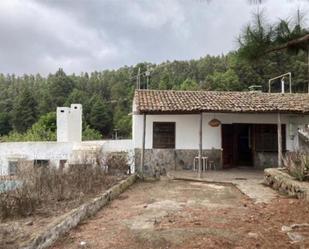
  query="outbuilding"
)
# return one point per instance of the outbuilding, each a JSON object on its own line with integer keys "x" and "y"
{"x": 174, "y": 129}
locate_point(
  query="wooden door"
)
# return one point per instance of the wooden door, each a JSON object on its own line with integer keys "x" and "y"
{"x": 227, "y": 145}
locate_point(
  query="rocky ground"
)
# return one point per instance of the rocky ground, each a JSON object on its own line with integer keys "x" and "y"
{"x": 184, "y": 214}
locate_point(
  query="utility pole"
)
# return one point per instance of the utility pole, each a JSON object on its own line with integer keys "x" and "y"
{"x": 138, "y": 79}
{"x": 116, "y": 133}
{"x": 308, "y": 65}
{"x": 147, "y": 73}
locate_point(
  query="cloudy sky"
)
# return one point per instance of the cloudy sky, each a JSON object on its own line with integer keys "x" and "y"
{"x": 39, "y": 36}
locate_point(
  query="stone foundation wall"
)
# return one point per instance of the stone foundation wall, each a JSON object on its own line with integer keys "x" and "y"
{"x": 286, "y": 184}
{"x": 263, "y": 160}
{"x": 164, "y": 160}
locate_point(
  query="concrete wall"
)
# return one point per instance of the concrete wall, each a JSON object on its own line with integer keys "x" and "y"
{"x": 53, "y": 151}
{"x": 118, "y": 145}
{"x": 56, "y": 151}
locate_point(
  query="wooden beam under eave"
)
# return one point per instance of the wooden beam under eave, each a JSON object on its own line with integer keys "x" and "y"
{"x": 200, "y": 145}
{"x": 143, "y": 145}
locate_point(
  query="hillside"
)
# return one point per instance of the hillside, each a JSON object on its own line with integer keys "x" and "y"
{"x": 106, "y": 96}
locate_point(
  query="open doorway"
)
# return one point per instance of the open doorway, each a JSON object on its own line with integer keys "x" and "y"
{"x": 237, "y": 145}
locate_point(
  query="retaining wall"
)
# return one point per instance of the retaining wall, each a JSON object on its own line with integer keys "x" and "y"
{"x": 69, "y": 220}
{"x": 286, "y": 184}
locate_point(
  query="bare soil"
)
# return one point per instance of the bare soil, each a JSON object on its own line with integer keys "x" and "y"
{"x": 14, "y": 232}
{"x": 179, "y": 214}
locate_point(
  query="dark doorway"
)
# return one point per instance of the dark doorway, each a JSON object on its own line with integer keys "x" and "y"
{"x": 237, "y": 145}
{"x": 243, "y": 153}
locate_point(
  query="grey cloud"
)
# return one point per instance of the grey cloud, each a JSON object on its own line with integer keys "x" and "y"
{"x": 41, "y": 36}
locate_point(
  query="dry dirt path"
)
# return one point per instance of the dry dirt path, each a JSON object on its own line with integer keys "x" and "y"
{"x": 183, "y": 214}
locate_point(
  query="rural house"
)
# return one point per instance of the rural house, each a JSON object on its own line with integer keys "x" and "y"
{"x": 171, "y": 129}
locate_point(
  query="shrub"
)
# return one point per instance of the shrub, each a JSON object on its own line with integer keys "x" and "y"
{"x": 297, "y": 165}
{"x": 117, "y": 163}
{"x": 91, "y": 134}
{"x": 19, "y": 201}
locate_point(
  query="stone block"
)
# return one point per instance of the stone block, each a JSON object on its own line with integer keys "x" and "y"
{"x": 286, "y": 184}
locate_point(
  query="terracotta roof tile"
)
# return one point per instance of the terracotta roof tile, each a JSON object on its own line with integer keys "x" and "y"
{"x": 168, "y": 101}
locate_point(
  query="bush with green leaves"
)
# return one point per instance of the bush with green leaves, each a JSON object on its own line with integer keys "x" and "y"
{"x": 91, "y": 134}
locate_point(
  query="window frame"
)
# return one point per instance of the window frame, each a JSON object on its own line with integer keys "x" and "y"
{"x": 261, "y": 130}
{"x": 12, "y": 165}
{"x": 158, "y": 145}
{"x": 41, "y": 163}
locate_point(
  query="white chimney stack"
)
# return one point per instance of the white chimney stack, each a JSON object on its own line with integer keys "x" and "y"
{"x": 69, "y": 123}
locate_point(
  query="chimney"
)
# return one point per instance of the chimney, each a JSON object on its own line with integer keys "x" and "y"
{"x": 69, "y": 123}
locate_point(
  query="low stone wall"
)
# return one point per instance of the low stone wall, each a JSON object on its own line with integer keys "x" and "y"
{"x": 164, "y": 160}
{"x": 69, "y": 220}
{"x": 286, "y": 184}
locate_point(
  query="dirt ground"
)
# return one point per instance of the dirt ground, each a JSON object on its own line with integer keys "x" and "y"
{"x": 183, "y": 214}
{"x": 18, "y": 230}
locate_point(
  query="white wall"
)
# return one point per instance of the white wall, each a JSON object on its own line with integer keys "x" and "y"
{"x": 118, "y": 145}
{"x": 56, "y": 151}
{"x": 187, "y": 128}
{"x": 53, "y": 151}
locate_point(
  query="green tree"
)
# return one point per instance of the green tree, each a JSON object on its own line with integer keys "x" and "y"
{"x": 25, "y": 111}
{"x": 100, "y": 116}
{"x": 189, "y": 85}
{"x": 43, "y": 130}
{"x": 58, "y": 89}
{"x": 5, "y": 126}
{"x": 91, "y": 134}
{"x": 260, "y": 37}
{"x": 227, "y": 81}
{"x": 124, "y": 124}
{"x": 48, "y": 121}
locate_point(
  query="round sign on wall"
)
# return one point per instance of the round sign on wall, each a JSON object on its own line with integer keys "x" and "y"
{"x": 214, "y": 122}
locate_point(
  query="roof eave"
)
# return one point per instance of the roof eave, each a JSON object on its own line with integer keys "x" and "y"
{"x": 157, "y": 112}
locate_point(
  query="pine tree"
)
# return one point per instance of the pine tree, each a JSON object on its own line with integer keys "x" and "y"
{"x": 100, "y": 116}
{"x": 5, "y": 125}
{"x": 24, "y": 113}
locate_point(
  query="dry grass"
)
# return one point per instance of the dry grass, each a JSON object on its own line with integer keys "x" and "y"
{"x": 41, "y": 186}
{"x": 117, "y": 163}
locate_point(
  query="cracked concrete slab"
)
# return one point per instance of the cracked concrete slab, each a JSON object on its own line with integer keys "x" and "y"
{"x": 249, "y": 181}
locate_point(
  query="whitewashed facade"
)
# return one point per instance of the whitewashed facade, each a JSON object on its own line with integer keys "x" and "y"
{"x": 187, "y": 128}
{"x": 245, "y": 144}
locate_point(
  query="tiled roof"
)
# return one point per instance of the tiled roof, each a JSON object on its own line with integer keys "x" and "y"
{"x": 168, "y": 101}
